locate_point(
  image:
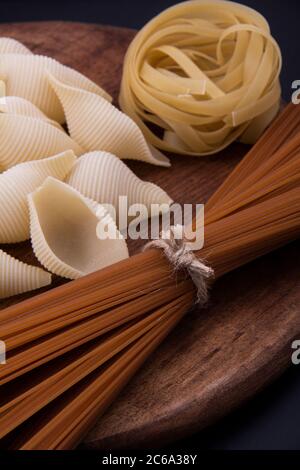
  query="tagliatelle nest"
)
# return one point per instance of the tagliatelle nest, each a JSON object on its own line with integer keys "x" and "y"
{"x": 205, "y": 73}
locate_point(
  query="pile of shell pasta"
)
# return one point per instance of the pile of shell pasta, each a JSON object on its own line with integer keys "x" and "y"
{"x": 54, "y": 184}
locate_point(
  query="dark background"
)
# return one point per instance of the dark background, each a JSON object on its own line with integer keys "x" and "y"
{"x": 272, "y": 419}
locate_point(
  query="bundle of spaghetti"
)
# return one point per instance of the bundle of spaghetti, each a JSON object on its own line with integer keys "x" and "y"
{"x": 72, "y": 349}
{"x": 200, "y": 75}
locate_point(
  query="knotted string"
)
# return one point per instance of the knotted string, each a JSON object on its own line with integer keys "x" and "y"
{"x": 182, "y": 258}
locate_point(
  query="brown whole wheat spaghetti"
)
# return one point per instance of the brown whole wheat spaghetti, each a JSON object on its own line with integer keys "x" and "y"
{"x": 72, "y": 349}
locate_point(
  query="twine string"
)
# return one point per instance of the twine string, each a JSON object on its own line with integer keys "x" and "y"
{"x": 182, "y": 258}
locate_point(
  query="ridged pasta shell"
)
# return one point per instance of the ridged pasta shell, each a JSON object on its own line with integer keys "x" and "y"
{"x": 17, "y": 277}
{"x": 25, "y": 76}
{"x": 22, "y": 107}
{"x": 24, "y": 138}
{"x": 15, "y": 185}
{"x": 64, "y": 226}
{"x": 98, "y": 125}
{"x": 12, "y": 46}
{"x": 102, "y": 177}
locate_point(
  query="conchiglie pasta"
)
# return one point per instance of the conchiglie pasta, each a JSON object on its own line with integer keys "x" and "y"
{"x": 25, "y": 76}
{"x": 65, "y": 228}
{"x": 12, "y": 46}
{"x": 103, "y": 177}
{"x": 22, "y": 107}
{"x": 96, "y": 124}
{"x": 15, "y": 185}
{"x": 24, "y": 138}
{"x": 17, "y": 277}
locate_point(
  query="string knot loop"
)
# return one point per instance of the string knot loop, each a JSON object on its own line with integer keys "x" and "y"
{"x": 180, "y": 255}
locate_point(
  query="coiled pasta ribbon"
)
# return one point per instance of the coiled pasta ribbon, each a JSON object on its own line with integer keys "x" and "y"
{"x": 201, "y": 75}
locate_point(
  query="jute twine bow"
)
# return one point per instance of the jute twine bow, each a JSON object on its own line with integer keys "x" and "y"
{"x": 181, "y": 257}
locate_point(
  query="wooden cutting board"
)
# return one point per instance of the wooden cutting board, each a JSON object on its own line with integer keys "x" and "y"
{"x": 218, "y": 357}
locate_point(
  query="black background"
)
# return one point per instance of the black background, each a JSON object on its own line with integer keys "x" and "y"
{"x": 272, "y": 419}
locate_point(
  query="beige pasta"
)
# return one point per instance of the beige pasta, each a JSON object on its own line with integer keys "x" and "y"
{"x": 12, "y": 46}
{"x": 205, "y": 73}
{"x": 25, "y": 76}
{"x": 97, "y": 125}
{"x": 24, "y": 138}
{"x": 20, "y": 106}
{"x": 65, "y": 231}
{"x": 17, "y": 277}
{"x": 17, "y": 183}
{"x": 2, "y": 88}
{"x": 103, "y": 177}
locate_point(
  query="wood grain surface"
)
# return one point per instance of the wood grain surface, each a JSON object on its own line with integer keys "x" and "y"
{"x": 218, "y": 357}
